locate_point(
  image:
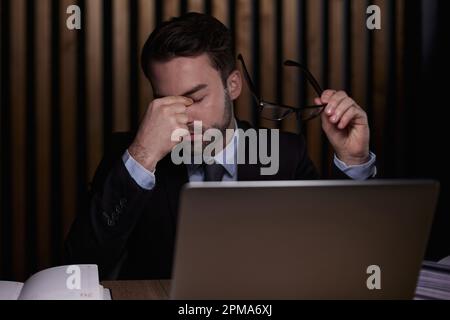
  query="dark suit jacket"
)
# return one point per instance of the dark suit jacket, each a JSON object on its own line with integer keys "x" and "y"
{"x": 130, "y": 232}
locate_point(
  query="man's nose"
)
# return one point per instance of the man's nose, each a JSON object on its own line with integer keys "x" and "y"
{"x": 191, "y": 115}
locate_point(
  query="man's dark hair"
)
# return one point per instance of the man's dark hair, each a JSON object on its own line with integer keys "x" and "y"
{"x": 191, "y": 35}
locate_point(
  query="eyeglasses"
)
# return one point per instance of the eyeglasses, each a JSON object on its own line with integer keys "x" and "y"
{"x": 278, "y": 112}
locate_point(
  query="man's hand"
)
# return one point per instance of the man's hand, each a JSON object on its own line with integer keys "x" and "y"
{"x": 153, "y": 140}
{"x": 346, "y": 126}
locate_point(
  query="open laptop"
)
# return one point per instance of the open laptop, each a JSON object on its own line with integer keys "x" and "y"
{"x": 302, "y": 240}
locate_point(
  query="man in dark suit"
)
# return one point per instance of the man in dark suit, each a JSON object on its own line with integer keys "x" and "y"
{"x": 128, "y": 228}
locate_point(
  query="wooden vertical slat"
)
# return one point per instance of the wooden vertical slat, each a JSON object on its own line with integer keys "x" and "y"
{"x": 232, "y": 18}
{"x": 358, "y": 51}
{"x": 302, "y": 46}
{"x": 82, "y": 157}
{"x": 133, "y": 62}
{"x": 268, "y": 56}
{"x": 325, "y": 57}
{"x": 121, "y": 68}
{"x": 380, "y": 78}
{"x": 18, "y": 152}
{"x": 256, "y": 54}
{"x": 220, "y": 10}
{"x": 208, "y": 7}
{"x": 336, "y": 45}
{"x": 278, "y": 9}
{"x": 400, "y": 29}
{"x": 196, "y": 6}
{"x": 336, "y": 58}
{"x": 290, "y": 51}
{"x": 183, "y": 6}
{"x": 68, "y": 103}
{"x": 6, "y": 231}
{"x": 94, "y": 84}
{"x": 401, "y": 153}
{"x": 43, "y": 102}
{"x": 146, "y": 26}
{"x": 243, "y": 46}
{"x": 347, "y": 45}
{"x": 31, "y": 152}
{"x": 314, "y": 49}
{"x": 2, "y": 147}
{"x": 171, "y": 9}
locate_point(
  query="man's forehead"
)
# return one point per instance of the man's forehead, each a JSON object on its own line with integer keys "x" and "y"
{"x": 188, "y": 93}
{"x": 182, "y": 64}
{"x": 183, "y": 75}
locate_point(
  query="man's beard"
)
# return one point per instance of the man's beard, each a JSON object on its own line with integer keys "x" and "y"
{"x": 222, "y": 126}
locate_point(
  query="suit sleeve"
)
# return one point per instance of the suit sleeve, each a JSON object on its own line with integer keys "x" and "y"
{"x": 305, "y": 168}
{"x": 113, "y": 206}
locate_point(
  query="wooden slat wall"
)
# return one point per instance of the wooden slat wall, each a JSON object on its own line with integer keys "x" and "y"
{"x": 290, "y": 51}
{"x": 268, "y": 64}
{"x": 171, "y": 9}
{"x": 18, "y": 132}
{"x": 244, "y": 46}
{"x": 94, "y": 84}
{"x": 358, "y": 51}
{"x": 64, "y": 92}
{"x": 380, "y": 69}
{"x": 43, "y": 119}
{"x": 146, "y": 23}
{"x": 68, "y": 106}
{"x": 121, "y": 89}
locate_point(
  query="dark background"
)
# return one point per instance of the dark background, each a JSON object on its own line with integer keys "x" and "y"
{"x": 64, "y": 92}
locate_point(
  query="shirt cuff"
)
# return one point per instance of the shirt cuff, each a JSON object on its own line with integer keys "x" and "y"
{"x": 144, "y": 178}
{"x": 359, "y": 172}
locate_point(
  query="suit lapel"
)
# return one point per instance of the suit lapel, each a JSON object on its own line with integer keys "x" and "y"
{"x": 252, "y": 172}
{"x": 176, "y": 178}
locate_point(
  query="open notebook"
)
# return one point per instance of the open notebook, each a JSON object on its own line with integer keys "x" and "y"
{"x": 61, "y": 283}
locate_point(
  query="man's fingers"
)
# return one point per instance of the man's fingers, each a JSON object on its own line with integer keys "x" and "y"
{"x": 174, "y": 109}
{"x": 334, "y": 102}
{"x": 182, "y": 119}
{"x": 174, "y": 100}
{"x": 342, "y": 108}
{"x": 326, "y": 96}
{"x": 349, "y": 116}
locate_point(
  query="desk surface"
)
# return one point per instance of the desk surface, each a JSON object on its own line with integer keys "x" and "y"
{"x": 160, "y": 289}
{"x": 147, "y": 290}
{"x": 138, "y": 290}
{"x": 429, "y": 286}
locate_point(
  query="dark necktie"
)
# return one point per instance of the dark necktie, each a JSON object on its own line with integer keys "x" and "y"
{"x": 213, "y": 172}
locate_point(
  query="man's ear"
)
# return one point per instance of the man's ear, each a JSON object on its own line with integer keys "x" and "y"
{"x": 234, "y": 84}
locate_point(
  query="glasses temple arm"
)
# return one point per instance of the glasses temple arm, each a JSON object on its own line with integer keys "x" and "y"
{"x": 250, "y": 83}
{"x": 315, "y": 84}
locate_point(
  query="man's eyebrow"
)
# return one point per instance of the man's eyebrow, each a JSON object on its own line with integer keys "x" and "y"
{"x": 186, "y": 94}
{"x": 194, "y": 90}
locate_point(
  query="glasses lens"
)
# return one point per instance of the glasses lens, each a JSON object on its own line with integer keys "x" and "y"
{"x": 274, "y": 112}
{"x": 311, "y": 112}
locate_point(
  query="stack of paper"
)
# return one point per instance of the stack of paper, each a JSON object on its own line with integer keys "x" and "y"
{"x": 60, "y": 283}
{"x": 434, "y": 282}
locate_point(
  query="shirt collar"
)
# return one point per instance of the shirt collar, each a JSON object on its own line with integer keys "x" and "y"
{"x": 227, "y": 157}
